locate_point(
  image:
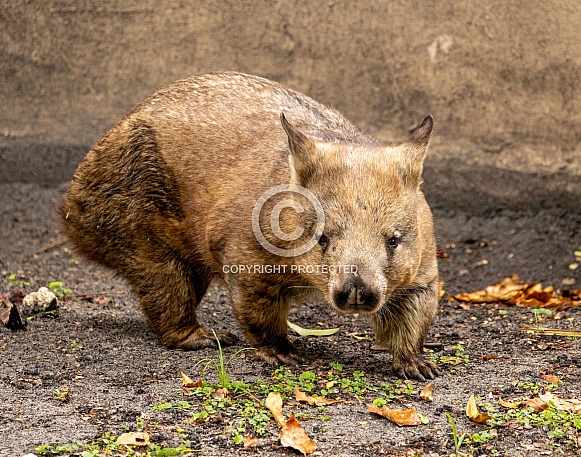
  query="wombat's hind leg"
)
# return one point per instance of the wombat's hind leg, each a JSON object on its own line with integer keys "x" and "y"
{"x": 169, "y": 296}
{"x": 401, "y": 326}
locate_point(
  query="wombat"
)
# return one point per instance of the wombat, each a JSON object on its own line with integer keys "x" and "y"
{"x": 237, "y": 177}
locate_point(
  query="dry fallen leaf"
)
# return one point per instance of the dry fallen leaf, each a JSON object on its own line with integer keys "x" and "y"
{"x": 513, "y": 291}
{"x": 572, "y": 405}
{"x": 537, "y": 404}
{"x": 473, "y": 413}
{"x": 541, "y": 403}
{"x": 274, "y": 404}
{"x": 294, "y": 435}
{"x": 250, "y": 441}
{"x": 134, "y": 439}
{"x": 512, "y": 404}
{"x": 550, "y": 378}
{"x": 187, "y": 381}
{"x": 317, "y": 401}
{"x": 426, "y": 393}
{"x": 10, "y": 316}
{"x": 220, "y": 394}
{"x": 399, "y": 417}
{"x": 551, "y": 331}
{"x": 358, "y": 336}
{"x": 312, "y": 332}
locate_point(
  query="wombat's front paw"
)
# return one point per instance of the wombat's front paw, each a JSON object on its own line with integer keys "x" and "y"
{"x": 203, "y": 338}
{"x": 415, "y": 367}
{"x": 274, "y": 356}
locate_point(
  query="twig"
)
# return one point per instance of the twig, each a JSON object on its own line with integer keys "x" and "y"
{"x": 552, "y": 331}
{"x": 48, "y": 247}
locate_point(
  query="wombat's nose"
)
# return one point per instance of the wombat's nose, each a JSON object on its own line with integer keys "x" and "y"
{"x": 356, "y": 295}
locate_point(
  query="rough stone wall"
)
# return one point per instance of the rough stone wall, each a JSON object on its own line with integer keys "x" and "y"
{"x": 499, "y": 76}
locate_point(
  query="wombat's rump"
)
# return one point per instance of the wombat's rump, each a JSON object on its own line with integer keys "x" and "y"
{"x": 166, "y": 200}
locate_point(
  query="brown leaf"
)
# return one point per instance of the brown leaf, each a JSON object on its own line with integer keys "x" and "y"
{"x": 551, "y": 331}
{"x": 250, "y": 441}
{"x": 572, "y": 405}
{"x": 10, "y": 317}
{"x": 550, "y": 378}
{"x": 399, "y": 417}
{"x": 187, "y": 381}
{"x": 493, "y": 356}
{"x": 537, "y": 404}
{"x": 274, "y": 404}
{"x": 134, "y": 439}
{"x": 220, "y": 394}
{"x": 513, "y": 291}
{"x": 426, "y": 393}
{"x": 473, "y": 413}
{"x": 294, "y": 435}
{"x": 317, "y": 401}
{"x": 510, "y": 403}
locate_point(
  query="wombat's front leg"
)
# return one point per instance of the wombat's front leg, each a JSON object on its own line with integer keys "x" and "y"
{"x": 263, "y": 317}
{"x": 401, "y": 326}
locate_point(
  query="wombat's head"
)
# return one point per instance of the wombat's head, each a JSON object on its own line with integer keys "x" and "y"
{"x": 375, "y": 216}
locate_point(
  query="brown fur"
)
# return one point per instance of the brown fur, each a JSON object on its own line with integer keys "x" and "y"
{"x": 165, "y": 199}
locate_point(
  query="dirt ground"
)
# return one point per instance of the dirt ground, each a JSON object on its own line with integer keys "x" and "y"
{"x": 502, "y": 177}
{"x": 116, "y": 370}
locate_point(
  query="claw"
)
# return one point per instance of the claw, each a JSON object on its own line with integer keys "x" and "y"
{"x": 274, "y": 356}
{"x": 415, "y": 367}
{"x": 202, "y": 338}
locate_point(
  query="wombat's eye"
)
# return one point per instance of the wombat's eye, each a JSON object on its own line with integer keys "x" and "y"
{"x": 393, "y": 242}
{"x": 323, "y": 242}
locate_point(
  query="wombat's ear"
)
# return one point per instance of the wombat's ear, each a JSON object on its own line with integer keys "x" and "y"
{"x": 302, "y": 149}
{"x": 415, "y": 152}
{"x": 421, "y": 135}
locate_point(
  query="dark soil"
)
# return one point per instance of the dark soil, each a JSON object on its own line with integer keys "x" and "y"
{"x": 116, "y": 370}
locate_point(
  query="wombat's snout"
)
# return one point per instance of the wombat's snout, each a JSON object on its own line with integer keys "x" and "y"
{"x": 356, "y": 295}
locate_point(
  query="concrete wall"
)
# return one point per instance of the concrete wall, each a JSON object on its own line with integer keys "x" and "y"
{"x": 502, "y": 78}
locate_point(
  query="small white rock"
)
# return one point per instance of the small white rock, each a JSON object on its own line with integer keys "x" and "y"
{"x": 42, "y": 301}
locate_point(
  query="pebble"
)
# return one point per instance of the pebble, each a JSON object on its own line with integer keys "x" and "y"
{"x": 41, "y": 302}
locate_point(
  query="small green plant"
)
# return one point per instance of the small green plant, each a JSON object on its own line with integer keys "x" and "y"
{"x": 18, "y": 280}
{"x": 456, "y": 359}
{"x": 62, "y": 394}
{"x": 458, "y": 439}
{"x": 503, "y": 313}
{"x": 75, "y": 345}
{"x": 59, "y": 289}
{"x": 221, "y": 367}
{"x": 107, "y": 445}
{"x": 379, "y": 402}
{"x": 238, "y": 434}
{"x": 336, "y": 366}
{"x": 537, "y": 387}
{"x": 540, "y": 314}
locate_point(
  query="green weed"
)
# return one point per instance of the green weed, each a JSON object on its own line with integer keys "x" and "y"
{"x": 59, "y": 289}
{"x": 540, "y": 314}
{"x": 18, "y": 280}
{"x": 219, "y": 365}
{"x": 458, "y": 439}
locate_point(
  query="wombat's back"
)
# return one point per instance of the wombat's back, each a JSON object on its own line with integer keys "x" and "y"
{"x": 196, "y": 153}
